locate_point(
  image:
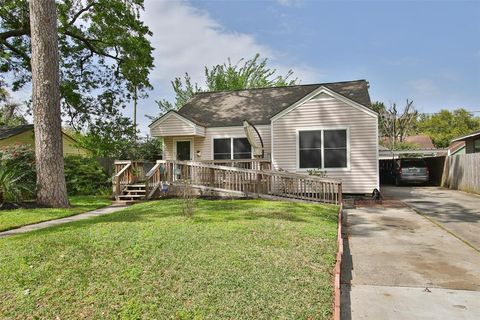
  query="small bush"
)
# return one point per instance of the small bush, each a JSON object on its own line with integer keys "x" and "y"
{"x": 85, "y": 176}
{"x": 18, "y": 163}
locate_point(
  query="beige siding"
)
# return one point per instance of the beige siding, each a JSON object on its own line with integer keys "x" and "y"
{"x": 172, "y": 126}
{"x": 204, "y": 144}
{"x": 28, "y": 138}
{"x": 325, "y": 111}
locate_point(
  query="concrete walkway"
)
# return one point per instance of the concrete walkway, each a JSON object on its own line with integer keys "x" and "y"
{"x": 46, "y": 224}
{"x": 400, "y": 265}
{"x": 456, "y": 211}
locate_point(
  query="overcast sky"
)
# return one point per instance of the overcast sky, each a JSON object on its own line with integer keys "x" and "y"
{"x": 427, "y": 51}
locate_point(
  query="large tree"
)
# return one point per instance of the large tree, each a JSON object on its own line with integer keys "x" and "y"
{"x": 245, "y": 74}
{"x": 51, "y": 187}
{"x": 105, "y": 56}
{"x": 446, "y": 125}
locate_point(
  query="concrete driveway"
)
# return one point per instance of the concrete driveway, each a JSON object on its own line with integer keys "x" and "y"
{"x": 456, "y": 211}
{"x": 400, "y": 265}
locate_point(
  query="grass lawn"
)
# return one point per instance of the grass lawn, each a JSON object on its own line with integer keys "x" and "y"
{"x": 10, "y": 219}
{"x": 234, "y": 259}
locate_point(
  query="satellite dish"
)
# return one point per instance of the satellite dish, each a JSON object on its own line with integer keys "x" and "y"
{"x": 253, "y": 137}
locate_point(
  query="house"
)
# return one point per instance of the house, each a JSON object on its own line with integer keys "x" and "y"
{"x": 24, "y": 135}
{"x": 327, "y": 126}
{"x": 422, "y": 141}
{"x": 457, "y": 147}
{"x": 472, "y": 142}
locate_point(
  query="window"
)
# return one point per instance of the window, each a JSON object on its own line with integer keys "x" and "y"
{"x": 241, "y": 148}
{"x": 335, "y": 148}
{"x": 222, "y": 148}
{"x": 476, "y": 146}
{"x": 322, "y": 149}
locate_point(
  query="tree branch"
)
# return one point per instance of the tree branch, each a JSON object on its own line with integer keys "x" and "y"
{"x": 14, "y": 33}
{"x": 17, "y": 51}
{"x": 79, "y": 13}
{"x": 89, "y": 45}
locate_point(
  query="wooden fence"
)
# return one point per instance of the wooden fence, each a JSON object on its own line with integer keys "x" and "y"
{"x": 462, "y": 172}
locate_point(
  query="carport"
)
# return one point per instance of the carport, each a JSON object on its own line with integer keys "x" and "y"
{"x": 435, "y": 159}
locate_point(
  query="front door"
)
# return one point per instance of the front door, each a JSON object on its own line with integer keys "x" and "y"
{"x": 183, "y": 151}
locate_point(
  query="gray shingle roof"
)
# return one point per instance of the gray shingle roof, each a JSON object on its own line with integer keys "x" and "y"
{"x": 230, "y": 108}
{"x": 10, "y": 132}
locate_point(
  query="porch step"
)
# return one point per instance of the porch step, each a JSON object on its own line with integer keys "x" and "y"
{"x": 138, "y": 186}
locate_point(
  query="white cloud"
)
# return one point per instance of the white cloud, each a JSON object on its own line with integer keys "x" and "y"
{"x": 187, "y": 39}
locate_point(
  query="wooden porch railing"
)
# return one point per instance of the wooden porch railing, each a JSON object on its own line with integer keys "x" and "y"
{"x": 153, "y": 180}
{"x": 127, "y": 172}
{"x": 123, "y": 175}
{"x": 248, "y": 181}
{"x": 253, "y": 164}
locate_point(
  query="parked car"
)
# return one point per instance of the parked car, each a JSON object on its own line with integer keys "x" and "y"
{"x": 411, "y": 171}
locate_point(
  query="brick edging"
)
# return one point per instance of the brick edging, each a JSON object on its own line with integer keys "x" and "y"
{"x": 336, "y": 270}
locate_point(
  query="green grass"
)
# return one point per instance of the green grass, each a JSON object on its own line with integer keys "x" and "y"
{"x": 234, "y": 259}
{"x": 10, "y": 219}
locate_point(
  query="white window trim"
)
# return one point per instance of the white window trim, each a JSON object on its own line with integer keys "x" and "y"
{"x": 175, "y": 140}
{"x": 297, "y": 147}
{"x": 231, "y": 137}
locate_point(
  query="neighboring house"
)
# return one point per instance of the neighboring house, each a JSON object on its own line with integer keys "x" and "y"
{"x": 24, "y": 135}
{"x": 457, "y": 147}
{"x": 422, "y": 141}
{"x": 472, "y": 142}
{"x": 326, "y": 126}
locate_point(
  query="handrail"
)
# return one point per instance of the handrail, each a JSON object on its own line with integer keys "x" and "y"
{"x": 152, "y": 181}
{"x": 278, "y": 173}
{"x": 119, "y": 177}
{"x": 123, "y": 170}
{"x": 271, "y": 183}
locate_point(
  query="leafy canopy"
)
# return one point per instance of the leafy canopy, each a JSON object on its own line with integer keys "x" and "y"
{"x": 446, "y": 125}
{"x": 245, "y": 74}
{"x": 104, "y": 53}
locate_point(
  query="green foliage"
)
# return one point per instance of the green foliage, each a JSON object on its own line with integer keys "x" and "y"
{"x": 104, "y": 51}
{"x": 107, "y": 139}
{"x": 446, "y": 125}
{"x": 245, "y": 74}
{"x": 12, "y": 187}
{"x": 150, "y": 149}
{"x": 10, "y": 114}
{"x": 85, "y": 176}
{"x": 317, "y": 173}
{"x": 20, "y": 160}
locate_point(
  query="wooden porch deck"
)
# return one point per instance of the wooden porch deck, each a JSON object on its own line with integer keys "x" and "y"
{"x": 237, "y": 177}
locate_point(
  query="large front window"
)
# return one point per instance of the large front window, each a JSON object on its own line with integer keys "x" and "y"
{"x": 322, "y": 149}
{"x": 231, "y": 148}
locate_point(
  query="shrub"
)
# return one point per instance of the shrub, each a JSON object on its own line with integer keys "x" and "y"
{"x": 18, "y": 163}
{"x": 12, "y": 185}
{"x": 85, "y": 176}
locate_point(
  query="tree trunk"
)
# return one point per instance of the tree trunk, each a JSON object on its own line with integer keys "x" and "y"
{"x": 51, "y": 188}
